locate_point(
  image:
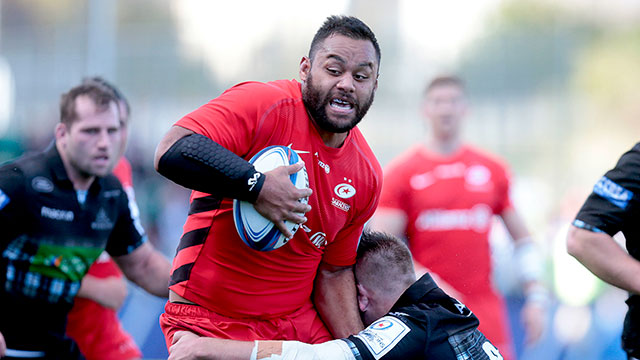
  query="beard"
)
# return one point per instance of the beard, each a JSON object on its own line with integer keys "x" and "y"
{"x": 316, "y": 105}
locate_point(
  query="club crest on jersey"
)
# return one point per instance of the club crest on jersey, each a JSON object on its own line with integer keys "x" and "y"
{"x": 345, "y": 190}
{"x": 102, "y": 221}
{"x": 477, "y": 175}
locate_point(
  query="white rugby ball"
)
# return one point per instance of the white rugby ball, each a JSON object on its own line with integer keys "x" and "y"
{"x": 254, "y": 229}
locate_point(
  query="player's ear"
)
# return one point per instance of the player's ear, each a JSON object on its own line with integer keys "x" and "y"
{"x": 363, "y": 298}
{"x": 305, "y": 68}
{"x": 60, "y": 131}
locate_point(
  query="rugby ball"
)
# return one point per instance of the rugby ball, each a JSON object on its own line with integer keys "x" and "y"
{"x": 255, "y": 230}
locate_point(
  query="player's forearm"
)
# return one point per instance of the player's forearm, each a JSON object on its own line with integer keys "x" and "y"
{"x": 147, "y": 268}
{"x": 197, "y": 162}
{"x": 599, "y": 253}
{"x": 109, "y": 292}
{"x": 335, "y": 298}
{"x": 156, "y": 272}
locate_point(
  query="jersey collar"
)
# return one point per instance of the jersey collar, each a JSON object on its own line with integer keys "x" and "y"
{"x": 417, "y": 291}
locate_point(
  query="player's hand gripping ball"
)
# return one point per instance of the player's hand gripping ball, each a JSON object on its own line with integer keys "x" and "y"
{"x": 254, "y": 229}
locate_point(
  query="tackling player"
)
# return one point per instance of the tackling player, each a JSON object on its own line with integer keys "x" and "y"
{"x": 421, "y": 321}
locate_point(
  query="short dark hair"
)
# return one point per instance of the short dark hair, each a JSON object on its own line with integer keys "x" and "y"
{"x": 348, "y": 26}
{"x": 442, "y": 80}
{"x": 101, "y": 97}
{"x": 391, "y": 250}
{"x": 116, "y": 92}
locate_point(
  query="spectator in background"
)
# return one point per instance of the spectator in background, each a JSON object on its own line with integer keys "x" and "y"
{"x": 612, "y": 207}
{"x": 93, "y": 321}
{"x": 441, "y": 196}
{"x": 59, "y": 209}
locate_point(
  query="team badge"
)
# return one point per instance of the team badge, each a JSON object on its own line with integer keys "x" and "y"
{"x": 345, "y": 190}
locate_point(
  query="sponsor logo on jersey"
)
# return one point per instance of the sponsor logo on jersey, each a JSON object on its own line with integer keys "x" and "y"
{"x": 42, "y": 184}
{"x": 102, "y": 221}
{"x": 383, "y": 335}
{"x": 290, "y": 146}
{"x": 319, "y": 239}
{"x": 56, "y": 214}
{"x": 340, "y": 204}
{"x": 4, "y": 199}
{"x": 612, "y": 192}
{"x": 326, "y": 167}
{"x": 478, "y": 219}
{"x": 345, "y": 190}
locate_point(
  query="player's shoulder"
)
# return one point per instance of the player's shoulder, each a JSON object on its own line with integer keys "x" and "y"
{"x": 407, "y": 159}
{"x": 485, "y": 157}
{"x": 26, "y": 166}
{"x": 363, "y": 150}
{"x": 631, "y": 158}
{"x": 272, "y": 90}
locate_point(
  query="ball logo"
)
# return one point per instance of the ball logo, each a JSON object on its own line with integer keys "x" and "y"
{"x": 344, "y": 191}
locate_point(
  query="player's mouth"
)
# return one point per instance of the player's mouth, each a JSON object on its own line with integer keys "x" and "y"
{"x": 102, "y": 160}
{"x": 341, "y": 105}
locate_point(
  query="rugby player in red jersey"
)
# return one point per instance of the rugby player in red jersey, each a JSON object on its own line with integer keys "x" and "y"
{"x": 441, "y": 196}
{"x": 219, "y": 286}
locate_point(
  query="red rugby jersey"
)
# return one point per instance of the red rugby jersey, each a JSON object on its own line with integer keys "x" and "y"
{"x": 213, "y": 267}
{"x": 449, "y": 202}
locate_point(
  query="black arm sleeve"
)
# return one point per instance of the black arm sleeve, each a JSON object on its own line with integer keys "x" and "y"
{"x": 199, "y": 163}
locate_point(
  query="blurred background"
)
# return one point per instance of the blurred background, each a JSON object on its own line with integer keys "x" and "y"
{"x": 553, "y": 87}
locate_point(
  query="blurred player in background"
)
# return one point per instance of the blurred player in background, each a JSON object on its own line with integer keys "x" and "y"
{"x": 441, "y": 196}
{"x": 612, "y": 207}
{"x": 245, "y": 294}
{"x": 93, "y": 321}
{"x": 421, "y": 321}
{"x": 60, "y": 209}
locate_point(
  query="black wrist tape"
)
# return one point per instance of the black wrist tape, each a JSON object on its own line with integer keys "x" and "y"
{"x": 201, "y": 164}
